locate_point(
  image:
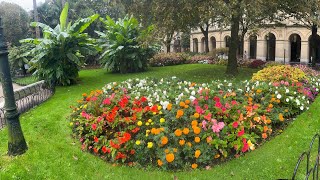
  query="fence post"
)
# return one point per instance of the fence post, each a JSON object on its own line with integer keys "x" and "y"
{"x": 16, "y": 142}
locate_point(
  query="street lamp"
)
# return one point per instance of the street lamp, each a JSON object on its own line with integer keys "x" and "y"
{"x": 16, "y": 142}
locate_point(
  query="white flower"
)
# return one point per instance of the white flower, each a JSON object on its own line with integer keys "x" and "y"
{"x": 287, "y": 99}
{"x": 279, "y": 96}
{"x": 276, "y": 92}
{"x": 287, "y": 91}
{"x": 192, "y": 98}
{"x": 301, "y": 108}
{"x": 193, "y": 93}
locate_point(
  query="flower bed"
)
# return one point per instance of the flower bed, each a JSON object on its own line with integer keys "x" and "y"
{"x": 176, "y": 124}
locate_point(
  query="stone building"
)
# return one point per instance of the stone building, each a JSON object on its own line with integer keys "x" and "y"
{"x": 288, "y": 42}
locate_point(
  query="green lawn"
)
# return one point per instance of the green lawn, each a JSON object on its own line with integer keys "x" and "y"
{"x": 53, "y": 154}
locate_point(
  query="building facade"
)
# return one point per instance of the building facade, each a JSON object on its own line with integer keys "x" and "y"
{"x": 289, "y": 43}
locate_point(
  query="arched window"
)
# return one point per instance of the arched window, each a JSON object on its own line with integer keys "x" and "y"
{"x": 253, "y": 47}
{"x": 295, "y": 47}
{"x": 271, "y": 47}
{"x": 203, "y": 44}
{"x": 213, "y": 43}
{"x": 227, "y": 41}
{"x": 317, "y": 49}
{"x": 195, "y": 45}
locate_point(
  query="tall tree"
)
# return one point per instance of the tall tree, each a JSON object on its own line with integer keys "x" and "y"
{"x": 15, "y": 22}
{"x": 35, "y": 14}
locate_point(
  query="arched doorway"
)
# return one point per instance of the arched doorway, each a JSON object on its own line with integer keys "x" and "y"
{"x": 213, "y": 43}
{"x": 195, "y": 45}
{"x": 271, "y": 47}
{"x": 295, "y": 47}
{"x": 317, "y": 57}
{"x": 203, "y": 45}
{"x": 253, "y": 47}
{"x": 227, "y": 41}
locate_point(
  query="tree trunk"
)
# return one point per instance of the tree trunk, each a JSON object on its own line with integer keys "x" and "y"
{"x": 168, "y": 40}
{"x": 314, "y": 44}
{"x": 36, "y": 19}
{"x": 205, "y": 33}
{"x": 232, "y": 67}
{"x": 243, "y": 33}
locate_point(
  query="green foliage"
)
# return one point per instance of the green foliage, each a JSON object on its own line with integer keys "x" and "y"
{"x": 58, "y": 56}
{"x": 168, "y": 59}
{"x": 124, "y": 48}
{"x": 18, "y": 57}
{"x": 15, "y": 22}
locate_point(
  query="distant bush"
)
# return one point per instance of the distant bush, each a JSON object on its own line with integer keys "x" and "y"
{"x": 272, "y": 63}
{"x": 257, "y": 63}
{"x": 203, "y": 59}
{"x": 168, "y": 59}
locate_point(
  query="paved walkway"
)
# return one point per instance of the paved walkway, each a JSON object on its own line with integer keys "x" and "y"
{"x": 15, "y": 86}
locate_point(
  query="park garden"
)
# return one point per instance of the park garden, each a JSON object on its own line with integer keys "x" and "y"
{"x": 149, "y": 114}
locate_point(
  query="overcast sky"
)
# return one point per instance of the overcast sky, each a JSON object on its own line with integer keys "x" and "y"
{"x": 25, "y": 4}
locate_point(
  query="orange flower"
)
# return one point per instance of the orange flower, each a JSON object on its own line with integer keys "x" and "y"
{"x": 164, "y": 140}
{"x": 197, "y": 153}
{"x": 196, "y": 115}
{"x": 187, "y": 101}
{"x": 178, "y": 132}
{"x": 84, "y": 94}
{"x": 264, "y": 135}
{"x": 166, "y": 151}
{"x": 160, "y": 163}
{"x": 194, "y": 166}
{"x": 217, "y": 156}
{"x": 186, "y": 106}
{"x": 170, "y": 157}
{"x": 270, "y": 106}
{"x": 180, "y": 113}
{"x": 169, "y": 107}
{"x": 196, "y": 129}
{"x": 155, "y": 131}
{"x": 209, "y": 139}
{"x": 175, "y": 150}
{"x": 268, "y": 121}
{"x": 281, "y": 117}
{"x": 257, "y": 119}
{"x": 194, "y": 123}
{"x": 182, "y": 142}
{"x": 265, "y": 128}
{"x": 185, "y": 131}
{"x": 259, "y": 91}
{"x": 197, "y": 139}
{"x": 272, "y": 99}
{"x": 182, "y": 104}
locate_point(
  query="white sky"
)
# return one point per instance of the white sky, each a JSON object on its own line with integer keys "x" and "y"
{"x": 25, "y": 4}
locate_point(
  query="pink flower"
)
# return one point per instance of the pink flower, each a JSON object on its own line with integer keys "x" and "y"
{"x": 235, "y": 124}
{"x": 223, "y": 109}
{"x": 227, "y": 106}
{"x": 204, "y": 123}
{"x": 107, "y": 101}
{"x": 216, "y": 127}
{"x": 199, "y": 110}
{"x": 245, "y": 145}
{"x": 216, "y": 99}
{"x": 218, "y": 105}
{"x": 233, "y": 102}
{"x": 240, "y": 133}
{"x": 208, "y": 117}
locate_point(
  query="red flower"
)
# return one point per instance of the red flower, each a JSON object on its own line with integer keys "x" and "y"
{"x": 208, "y": 117}
{"x": 132, "y": 152}
{"x": 105, "y": 149}
{"x": 245, "y": 145}
{"x": 235, "y": 124}
{"x": 240, "y": 133}
{"x": 154, "y": 108}
{"x": 112, "y": 144}
{"x": 216, "y": 99}
{"x": 233, "y": 102}
{"x": 120, "y": 156}
{"x": 143, "y": 99}
{"x": 218, "y": 105}
{"x": 94, "y": 126}
{"x": 95, "y": 150}
{"x": 96, "y": 139}
{"x": 135, "y": 130}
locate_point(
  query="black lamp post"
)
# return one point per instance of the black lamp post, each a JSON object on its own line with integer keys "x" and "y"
{"x": 16, "y": 142}
{"x": 267, "y": 48}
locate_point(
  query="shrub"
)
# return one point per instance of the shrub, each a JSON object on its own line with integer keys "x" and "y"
{"x": 272, "y": 63}
{"x": 176, "y": 124}
{"x": 257, "y": 63}
{"x": 58, "y": 56}
{"x": 307, "y": 70}
{"x": 278, "y": 73}
{"x": 168, "y": 59}
{"x": 124, "y": 50}
{"x": 203, "y": 59}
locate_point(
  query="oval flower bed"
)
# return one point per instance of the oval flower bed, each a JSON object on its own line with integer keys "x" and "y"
{"x": 176, "y": 124}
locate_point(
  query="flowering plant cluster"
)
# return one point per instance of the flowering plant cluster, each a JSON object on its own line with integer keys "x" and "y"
{"x": 175, "y": 124}
{"x": 280, "y": 72}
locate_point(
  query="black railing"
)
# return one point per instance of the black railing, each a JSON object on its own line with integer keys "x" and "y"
{"x": 28, "y": 97}
{"x": 312, "y": 170}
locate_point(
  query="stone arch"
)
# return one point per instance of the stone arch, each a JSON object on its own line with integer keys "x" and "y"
{"x": 203, "y": 44}
{"x": 213, "y": 43}
{"x": 267, "y": 32}
{"x": 253, "y": 46}
{"x": 195, "y": 45}
{"x": 270, "y": 40}
{"x": 317, "y": 52}
{"x": 295, "y": 32}
{"x": 227, "y": 41}
{"x": 295, "y": 47}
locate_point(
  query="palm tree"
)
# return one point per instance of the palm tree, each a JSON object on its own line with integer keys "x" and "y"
{"x": 36, "y": 19}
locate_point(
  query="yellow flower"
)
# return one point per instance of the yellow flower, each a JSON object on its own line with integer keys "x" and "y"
{"x": 147, "y": 124}
{"x": 196, "y": 115}
{"x": 154, "y": 113}
{"x": 139, "y": 123}
{"x": 166, "y": 151}
{"x": 138, "y": 142}
{"x": 159, "y": 108}
{"x": 85, "y": 106}
{"x": 189, "y": 144}
{"x": 197, "y": 139}
{"x": 197, "y": 153}
{"x": 217, "y": 156}
{"x": 162, "y": 120}
{"x": 150, "y": 145}
{"x": 259, "y": 91}
{"x": 175, "y": 150}
{"x": 71, "y": 123}
{"x": 150, "y": 120}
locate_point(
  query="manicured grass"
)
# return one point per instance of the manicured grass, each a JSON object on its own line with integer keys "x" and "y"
{"x": 25, "y": 80}
{"x": 53, "y": 154}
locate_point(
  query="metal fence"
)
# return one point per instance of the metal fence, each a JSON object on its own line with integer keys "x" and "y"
{"x": 28, "y": 97}
{"x": 312, "y": 167}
